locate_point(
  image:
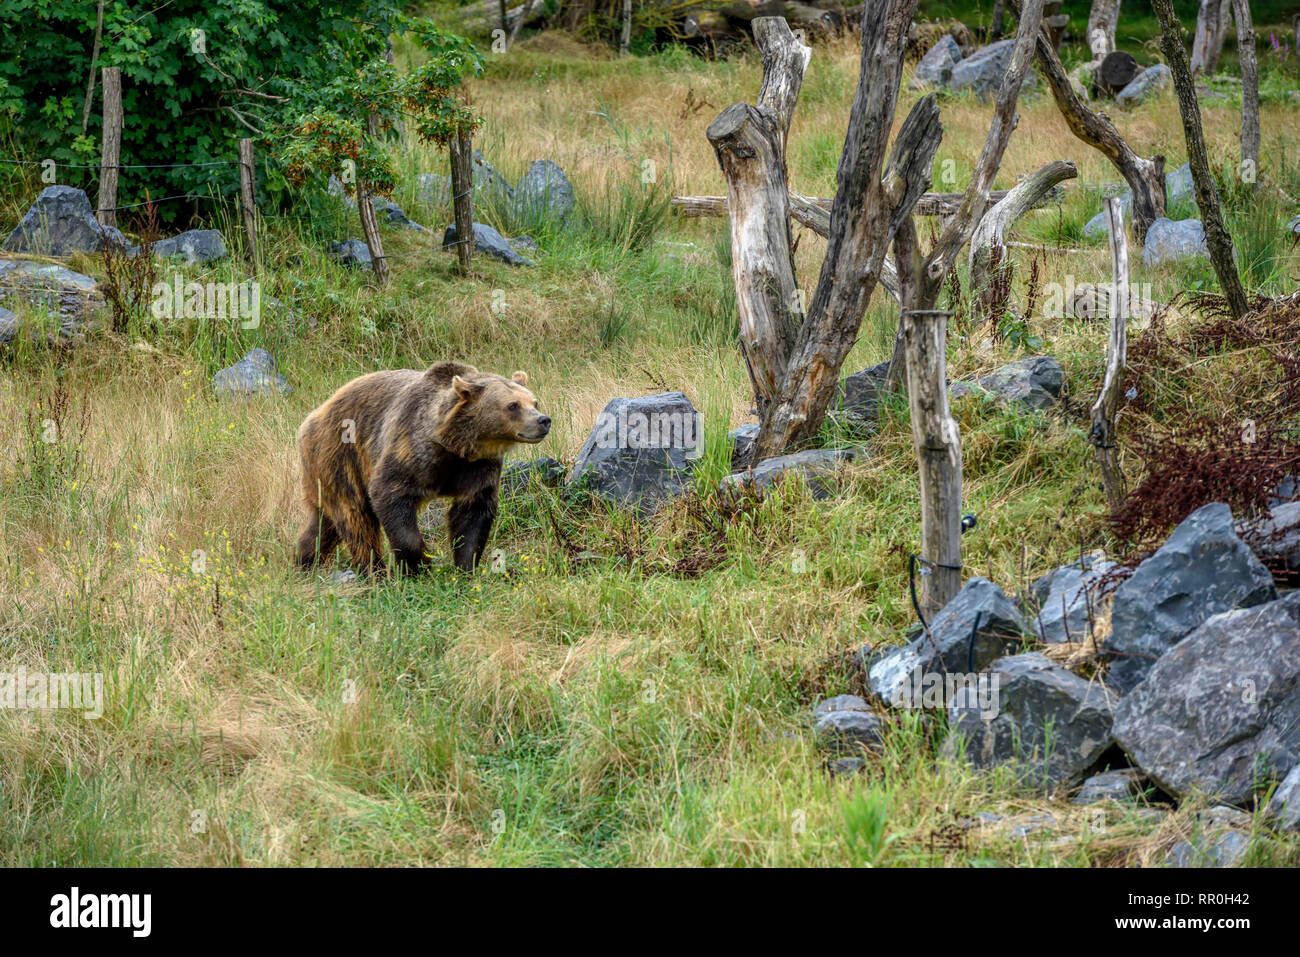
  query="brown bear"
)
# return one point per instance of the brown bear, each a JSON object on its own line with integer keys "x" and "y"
{"x": 387, "y": 443}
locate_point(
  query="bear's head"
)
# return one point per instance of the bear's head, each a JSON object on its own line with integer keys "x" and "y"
{"x": 488, "y": 413}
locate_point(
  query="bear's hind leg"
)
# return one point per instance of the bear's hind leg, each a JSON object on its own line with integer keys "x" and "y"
{"x": 319, "y": 538}
{"x": 359, "y": 529}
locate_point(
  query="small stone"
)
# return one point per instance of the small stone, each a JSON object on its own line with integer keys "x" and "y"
{"x": 352, "y": 252}
{"x": 848, "y": 731}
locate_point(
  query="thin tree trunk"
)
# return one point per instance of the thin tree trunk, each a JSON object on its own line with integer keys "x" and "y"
{"x": 625, "y": 41}
{"x": 247, "y": 197}
{"x": 370, "y": 228}
{"x": 1145, "y": 177}
{"x": 110, "y": 156}
{"x": 94, "y": 62}
{"x": 1103, "y": 18}
{"x": 462, "y": 197}
{"x": 1249, "y": 92}
{"x": 1103, "y": 410}
{"x": 1207, "y": 199}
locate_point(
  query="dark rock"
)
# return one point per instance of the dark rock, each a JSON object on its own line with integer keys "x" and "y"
{"x": 546, "y": 190}
{"x": 895, "y": 676}
{"x": 1051, "y": 721}
{"x": 817, "y": 467}
{"x": 197, "y": 246}
{"x": 1275, "y": 539}
{"x": 935, "y": 68}
{"x": 742, "y": 441}
{"x": 1034, "y": 383}
{"x": 1110, "y": 786}
{"x": 9, "y": 324}
{"x": 255, "y": 374}
{"x": 1218, "y": 715}
{"x": 353, "y": 253}
{"x": 61, "y": 223}
{"x": 487, "y": 240}
{"x": 1064, "y": 597}
{"x": 519, "y": 475}
{"x": 860, "y": 392}
{"x": 389, "y": 213}
{"x": 1284, "y": 807}
{"x": 73, "y": 297}
{"x": 844, "y": 732}
{"x": 1174, "y": 241}
{"x": 1145, "y": 85}
{"x": 982, "y": 71}
{"x": 642, "y": 451}
{"x": 1203, "y": 569}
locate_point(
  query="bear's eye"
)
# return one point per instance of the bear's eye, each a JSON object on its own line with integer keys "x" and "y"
{"x": 513, "y": 407}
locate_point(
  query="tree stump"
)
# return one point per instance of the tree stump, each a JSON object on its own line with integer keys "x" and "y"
{"x": 1116, "y": 71}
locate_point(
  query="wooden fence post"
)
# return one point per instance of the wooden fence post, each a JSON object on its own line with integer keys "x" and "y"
{"x": 111, "y": 149}
{"x": 247, "y": 197}
{"x": 462, "y": 196}
{"x": 1103, "y": 410}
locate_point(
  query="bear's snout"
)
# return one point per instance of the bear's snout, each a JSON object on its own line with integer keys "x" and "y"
{"x": 537, "y": 430}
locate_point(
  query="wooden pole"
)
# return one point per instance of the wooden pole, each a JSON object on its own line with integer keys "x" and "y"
{"x": 625, "y": 40}
{"x": 462, "y": 196}
{"x": 1207, "y": 198}
{"x": 247, "y": 197}
{"x": 1249, "y": 92}
{"x": 1103, "y": 410}
{"x": 370, "y": 227}
{"x": 110, "y": 156}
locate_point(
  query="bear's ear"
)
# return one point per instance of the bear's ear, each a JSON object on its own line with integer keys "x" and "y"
{"x": 465, "y": 389}
{"x": 521, "y": 377}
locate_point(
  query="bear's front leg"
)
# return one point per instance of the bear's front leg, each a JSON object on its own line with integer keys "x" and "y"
{"x": 397, "y": 511}
{"x": 469, "y": 520}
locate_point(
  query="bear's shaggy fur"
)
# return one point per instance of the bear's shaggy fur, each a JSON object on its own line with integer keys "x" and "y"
{"x": 387, "y": 443}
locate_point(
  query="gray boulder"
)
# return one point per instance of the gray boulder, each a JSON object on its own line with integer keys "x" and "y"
{"x": 1065, "y": 597}
{"x": 1218, "y": 714}
{"x": 1055, "y": 724}
{"x": 840, "y": 702}
{"x": 1034, "y": 383}
{"x": 545, "y": 189}
{"x": 1203, "y": 569}
{"x": 488, "y": 240}
{"x": 951, "y": 648}
{"x": 741, "y": 442}
{"x": 1145, "y": 85}
{"x": 816, "y": 467}
{"x": 1174, "y": 241}
{"x": 433, "y": 189}
{"x": 642, "y": 451}
{"x": 519, "y": 475}
{"x": 197, "y": 246}
{"x": 351, "y": 252}
{"x": 1178, "y": 187}
{"x": 1110, "y": 786}
{"x": 1219, "y": 849}
{"x": 982, "y": 71}
{"x": 9, "y": 324}
{"x": 860, "y": 392}
{"x": 935, "y": 68}
{"x": 1293, "y": 225}
{"x": 1275, "y": 539}
{"x": 336, "y": 189}
{"x": 843, "y": 732}
{"x": 389, "y": 213}
{"x": 1284, "y": 807}
{"x": 489, "y": 182}
{"x": 61, "y": 223}
{"x": 75, "y": 298}
{"x": 255, "y": 374}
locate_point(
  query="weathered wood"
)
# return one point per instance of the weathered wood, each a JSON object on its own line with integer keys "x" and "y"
{"x": 370, "y": 229}
{"x": 930, "y": 204}
{"x": 1115, "y": 72}
{"x": 1145, "y": 177}
{"x": 247, "y": 198}
{"x": 1103, "y": 17}
{"x": 1212, "y": 22}
{"x": 110, "y": 156}
{"x": 461, "y": 154}
{"x": 1207, "y": 197}
{"x": 749, "y": 142}
{"x": 1104, "y": 409}
{"x": 1249, "y": 91}
{"x": 625, "y": 38}
{"x": 987, "y": 245}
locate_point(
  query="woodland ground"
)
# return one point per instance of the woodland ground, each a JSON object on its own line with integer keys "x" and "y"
{"x": 643, "y": 703}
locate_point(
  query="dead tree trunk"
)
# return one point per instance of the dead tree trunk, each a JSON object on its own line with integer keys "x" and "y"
{"x": 625, "y": 40}
{"x": 986, "y": 244}
{"x": 1145, "y": 177}
{"x": 1103, "y": 410}
{"x": 110, "y": 156}
{"x": 247, "y": 198}
{"x": 462, "y": 197}
{"x": 1249, "y": 92}
{"x": 922, "y": 336}
{"x": 1212, "y": 23}
{"x": 1103, "y": 18}
{"x": 1207, "y": 199}
{"x": 370, "y": 229}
